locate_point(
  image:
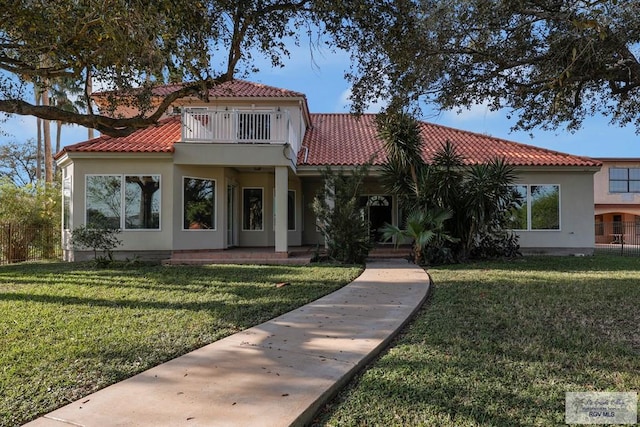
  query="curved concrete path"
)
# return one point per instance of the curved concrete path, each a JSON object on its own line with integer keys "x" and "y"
{"x": 278, "y": 373}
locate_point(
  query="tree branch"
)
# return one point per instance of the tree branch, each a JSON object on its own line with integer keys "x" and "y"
{"x": 107, "y": 125}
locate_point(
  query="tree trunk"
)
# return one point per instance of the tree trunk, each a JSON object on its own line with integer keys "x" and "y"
{"x": 58, "y": 135}
{"x": 48, "y": 156}
{"x": 39, "y": 136}
{"x": 89, "y": 89}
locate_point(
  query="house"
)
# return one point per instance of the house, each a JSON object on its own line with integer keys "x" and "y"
{"x": 616, "y": 189}
{"x": 242, "y": 170}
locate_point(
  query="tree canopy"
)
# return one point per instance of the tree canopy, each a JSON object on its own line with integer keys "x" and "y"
{"x": 552, "y": 62}
{"x": 129, "y": 46}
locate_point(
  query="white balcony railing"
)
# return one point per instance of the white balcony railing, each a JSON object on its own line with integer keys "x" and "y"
{"x": 238, "y": 126}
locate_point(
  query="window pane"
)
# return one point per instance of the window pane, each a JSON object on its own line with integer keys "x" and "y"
{"x": 103, "y": 201}
{"x": 618, "y": 186}
{"x": 545, "y": 207}
{"x": 618, "y": 173}
{"x": 291, "y": 210}
{"x": 142, "y": 202}
{"x": 252, "y": 208}
{"x": 634, "y": 186}
{"x": 518, "y": 216}
{"x": 634, "y": 173}
{"x": 199, "y": 204}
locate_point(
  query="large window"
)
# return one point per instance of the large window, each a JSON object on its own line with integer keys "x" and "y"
{"x": 129, "y": 202}
{"x": 142, "y": 202}
{"x": 199, "y": 208}
{"x": 624, "y": 180}
{"x": 539, "y": 208}
{"x": 252, "y": 208}
{"x": 104, "y": 201}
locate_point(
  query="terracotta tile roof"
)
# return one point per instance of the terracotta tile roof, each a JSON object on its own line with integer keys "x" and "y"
{"x": 154, "y": 139}
{"x": 231, "y": 89}
{"x": 341, "y": 139}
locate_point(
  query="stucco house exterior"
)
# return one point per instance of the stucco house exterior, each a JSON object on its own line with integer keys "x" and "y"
{"x": 616, "y": 190}
{"x": 242, "y": 171}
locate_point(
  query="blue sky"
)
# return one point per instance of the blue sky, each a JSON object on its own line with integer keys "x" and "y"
{"x": 321, "y": 77}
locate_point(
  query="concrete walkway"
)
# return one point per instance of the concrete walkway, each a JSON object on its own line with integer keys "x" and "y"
{"x": 278, "y": 373}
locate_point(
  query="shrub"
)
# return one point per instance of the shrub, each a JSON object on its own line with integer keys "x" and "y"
{"x": 340, "y": 218}
{"x": 100, "y": 238}
{"x": 27, "y": 213}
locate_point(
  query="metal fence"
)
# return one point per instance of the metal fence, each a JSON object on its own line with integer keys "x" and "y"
{"x": 618, "y": 237}
{"x": 19, "y": 243}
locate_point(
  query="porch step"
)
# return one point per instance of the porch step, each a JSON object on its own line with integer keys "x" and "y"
{"x": 240, "y": 256}
{"x": 255, "y": 261}
{"x": 390, "y": 252}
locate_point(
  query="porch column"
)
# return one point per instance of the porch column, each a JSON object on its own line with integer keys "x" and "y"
{"x": 282, "y": 190}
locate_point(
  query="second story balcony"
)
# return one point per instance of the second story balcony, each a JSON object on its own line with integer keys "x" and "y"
{"x": 202, "y": 125}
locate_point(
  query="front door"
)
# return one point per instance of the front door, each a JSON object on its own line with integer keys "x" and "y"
{"x": 378, "y": 212}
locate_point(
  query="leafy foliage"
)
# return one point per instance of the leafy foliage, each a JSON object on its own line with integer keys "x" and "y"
{"x": 97, "y": 238}
{"x": 553, "y": 63}
{"x": 18, "y": 162}
{"x": 426, "y": 229}
{"x": 340, "y": 218}
{"x": 128, "y": 48}
{"x": 28, "y": 213}
{"x": 32, "y": 204}
{"x": 480, "y": 197}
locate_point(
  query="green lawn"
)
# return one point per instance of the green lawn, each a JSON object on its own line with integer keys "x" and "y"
{"x": 499, "y": 344}
{"x": 67, "y": 330}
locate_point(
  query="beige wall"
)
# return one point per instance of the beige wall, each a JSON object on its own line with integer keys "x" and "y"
{"x": 576, "y": 213}
{"x": 576, "y": 232}
{"x": 601, "y": 186}
{"x": 186, "y": 239}
{"x": 218, "y": 238}
{"x": 237, "y": 155}
{"x": 139, "y": 240}
{"x": 266, "y": 236}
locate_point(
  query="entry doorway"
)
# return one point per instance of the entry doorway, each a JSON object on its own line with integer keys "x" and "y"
{"x": 377, "y": 211}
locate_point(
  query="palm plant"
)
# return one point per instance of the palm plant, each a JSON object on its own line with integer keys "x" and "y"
{"x": 424, "y": 228}
{"x": 479, "y": 196}
{"x": 400, "y": 133}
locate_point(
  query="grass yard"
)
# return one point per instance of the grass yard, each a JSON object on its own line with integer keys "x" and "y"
{"x": 67, "y": 330}
{"x": 499, "y": 344}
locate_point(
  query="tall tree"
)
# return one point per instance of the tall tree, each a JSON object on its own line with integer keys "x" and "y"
{"x": 46, "y": 137}
{"x": 132, "y": 46}
{"x": 65, "y": 94}
{"x": 552, "y": 62}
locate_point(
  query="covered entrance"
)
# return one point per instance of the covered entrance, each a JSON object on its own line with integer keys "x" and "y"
{"x": 377, "y": 211}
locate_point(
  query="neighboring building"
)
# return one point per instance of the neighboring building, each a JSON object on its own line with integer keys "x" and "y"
{"x": 242, "y": 170}
{"x": 616, "y": 190}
